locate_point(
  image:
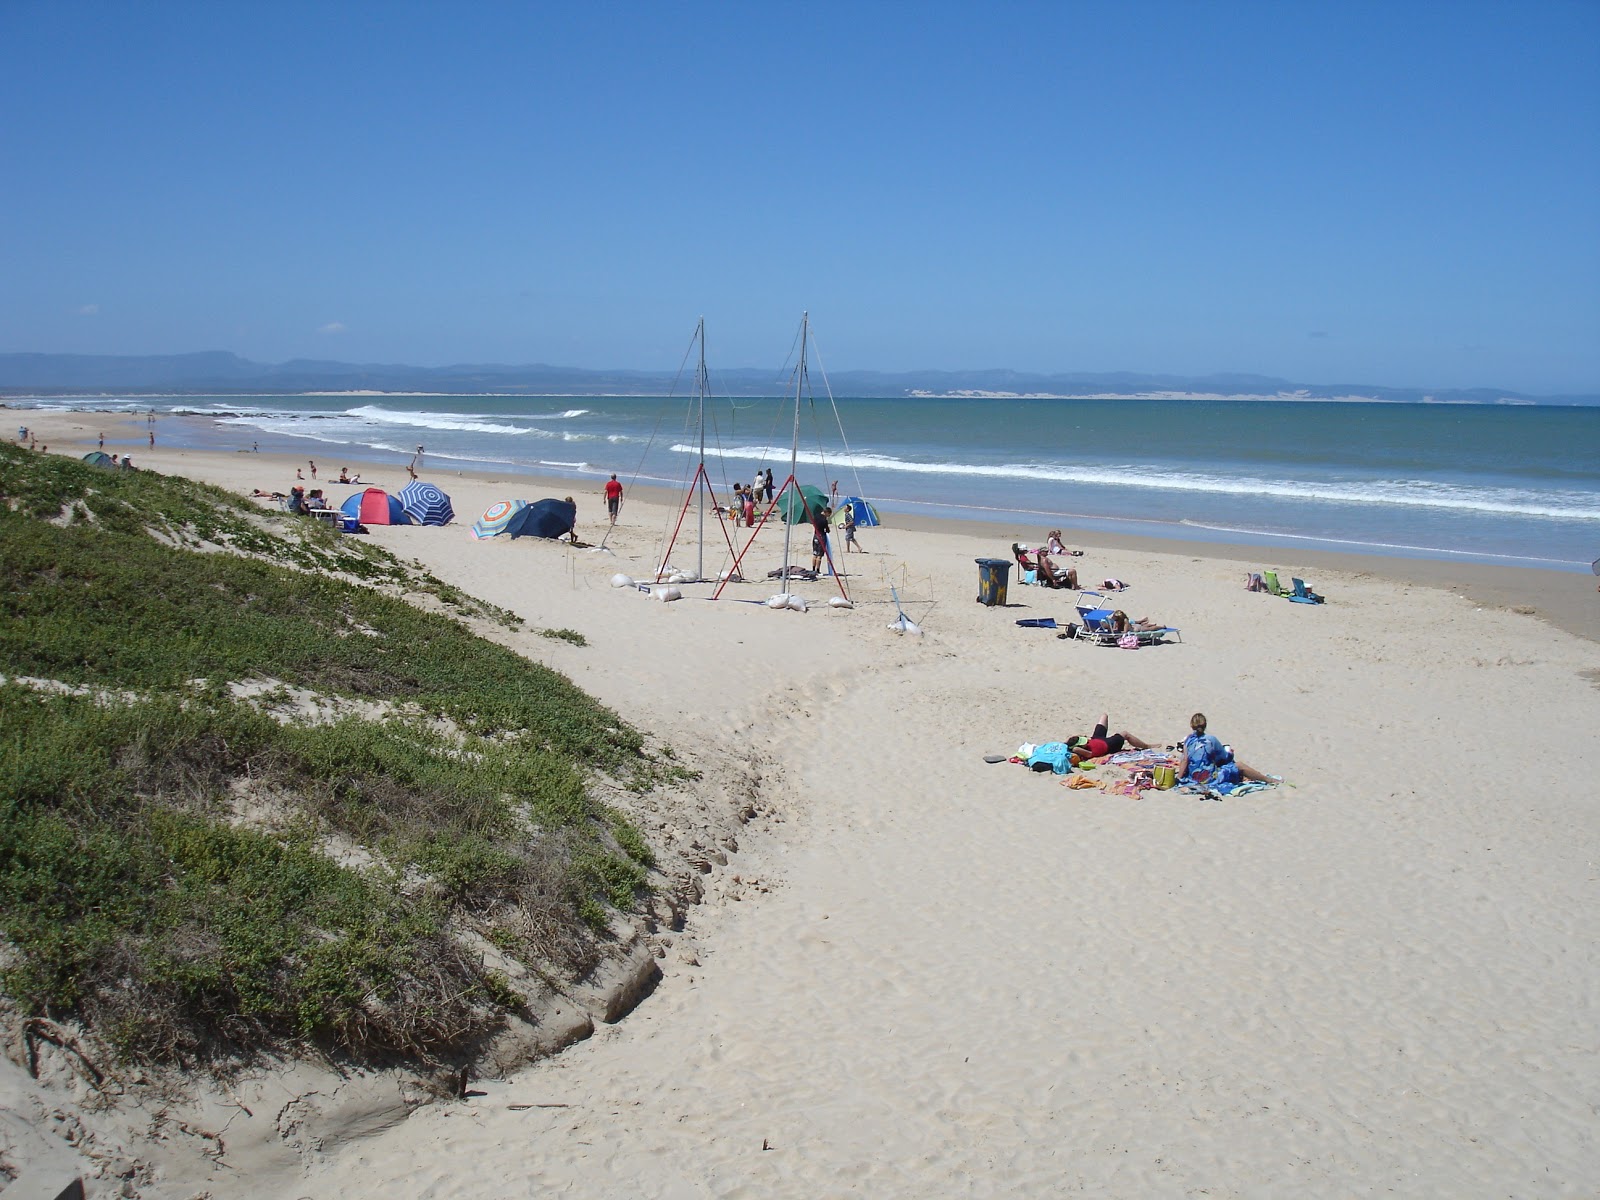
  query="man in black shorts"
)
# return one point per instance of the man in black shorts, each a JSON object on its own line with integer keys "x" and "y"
{"x": 1100, "y": 743}
{"x": 819, "y": 537}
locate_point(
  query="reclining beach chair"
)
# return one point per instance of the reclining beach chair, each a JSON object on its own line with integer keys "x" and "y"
{"x": 1094, "y": 619}
{"x": 1304, "y": 595}
{"x": 1095, "y": 624}
{"x": 1270, "y": 578}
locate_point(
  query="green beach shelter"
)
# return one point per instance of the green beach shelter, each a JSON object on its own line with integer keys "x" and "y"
{"x": 794, "y": 512}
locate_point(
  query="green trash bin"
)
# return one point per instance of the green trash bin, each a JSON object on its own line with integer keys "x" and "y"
{"x": 992, "y": 576}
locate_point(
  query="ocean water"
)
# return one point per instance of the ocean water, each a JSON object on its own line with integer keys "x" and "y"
{"x": 1508, "y": 484}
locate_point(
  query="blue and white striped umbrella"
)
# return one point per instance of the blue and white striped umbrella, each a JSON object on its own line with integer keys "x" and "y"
{"x": 495, "y": 517}
{"x": 425, "y": 504}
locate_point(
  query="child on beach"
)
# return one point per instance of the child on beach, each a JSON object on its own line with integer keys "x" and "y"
{"x": 850, "y": 542}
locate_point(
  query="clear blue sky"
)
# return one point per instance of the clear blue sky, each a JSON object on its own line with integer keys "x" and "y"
{"x": 1388, "y": 193}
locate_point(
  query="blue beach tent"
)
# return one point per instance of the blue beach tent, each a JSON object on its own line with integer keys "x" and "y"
{"x": 866, "y": 515}
{"x": 543, "y": 518}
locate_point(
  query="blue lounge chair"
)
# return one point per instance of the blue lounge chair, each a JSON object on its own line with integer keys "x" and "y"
{"x": 1095, "y": 624}
{"x": 1304, "y": 595}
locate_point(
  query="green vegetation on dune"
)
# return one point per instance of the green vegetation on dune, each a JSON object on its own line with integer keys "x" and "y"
{"x": 198, "y": 872}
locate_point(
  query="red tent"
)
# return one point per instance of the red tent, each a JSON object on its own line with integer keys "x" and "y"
{"x": 375, "y": 507}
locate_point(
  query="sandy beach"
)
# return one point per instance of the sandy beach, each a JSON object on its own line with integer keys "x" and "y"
{"x": 920, "y": 974}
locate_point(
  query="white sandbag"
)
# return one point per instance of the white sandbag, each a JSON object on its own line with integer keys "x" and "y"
{"x": 731, "y": 574}
{"x": 781, "y": 600}
{"x": 665, "y": 594}
{"x": 798, "y": 603}
{"x": 621, "y": 580}
{"x": 678, "y": 577}
{"x": 904, "y": 624}
{"x": 839, "y": 602}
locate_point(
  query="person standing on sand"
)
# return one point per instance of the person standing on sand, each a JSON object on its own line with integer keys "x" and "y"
{"x": 152, "y": 439}
{"x": 313, "y": 467}
{"x": 768, "y": 485}
{"x": 102, "y": 441}
{"x": 613, "y": 491}
{"x": 850, "y": 542}
{"x": 819, "y": 538}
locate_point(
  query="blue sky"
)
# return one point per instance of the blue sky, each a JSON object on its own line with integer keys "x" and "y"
{"x": 1401, "y": 194}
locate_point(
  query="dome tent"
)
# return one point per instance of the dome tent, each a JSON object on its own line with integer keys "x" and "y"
{"x": 866, "y": 515}
{"x": 375, "y": 507}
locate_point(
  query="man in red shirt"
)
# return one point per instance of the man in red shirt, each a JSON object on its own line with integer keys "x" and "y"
{"x": 613, "y": 498}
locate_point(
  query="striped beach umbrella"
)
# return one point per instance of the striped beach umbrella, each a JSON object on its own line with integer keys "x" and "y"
{"x": 495, "y": 517}
{"x": 425, "y": 504}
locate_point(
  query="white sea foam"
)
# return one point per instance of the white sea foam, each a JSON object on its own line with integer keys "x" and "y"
{"x": 433, "y": 420}
{"x": 1554, "y": 503}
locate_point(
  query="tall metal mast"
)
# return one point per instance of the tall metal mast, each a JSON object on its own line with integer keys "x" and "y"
{"x": 794, "y": 444}
{"x": 701, "y": 386}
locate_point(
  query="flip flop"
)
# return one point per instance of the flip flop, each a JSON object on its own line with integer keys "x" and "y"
{"x": 996, "y": 758}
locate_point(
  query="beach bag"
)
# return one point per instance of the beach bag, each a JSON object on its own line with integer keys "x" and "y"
{"x": 1052, "y": 756}
{"x": 1163, "y": 777}
{"x": 1128, "y": 641}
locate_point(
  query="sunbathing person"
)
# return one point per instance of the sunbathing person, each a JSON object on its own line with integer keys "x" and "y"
{"x": 1054, "y": 545}
{"x": 1205, "y": 760}
{"x": 1057, "y": 578}
{"x": 1121, "y": 624}
{"x": 1040, "y": 563}
{"x": 1100, "y": 743}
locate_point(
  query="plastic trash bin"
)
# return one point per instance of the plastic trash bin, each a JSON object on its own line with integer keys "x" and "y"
{"x": 992, "y": 576}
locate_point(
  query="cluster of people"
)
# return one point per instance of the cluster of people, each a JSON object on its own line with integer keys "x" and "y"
{"x": 1045, "y": 571}
{"x": 1203, "y": 761}
{"x": 301, "y": 501}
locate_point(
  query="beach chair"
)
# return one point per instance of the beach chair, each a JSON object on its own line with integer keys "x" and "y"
{"x": 1094, "y": 618}
{"x": 1095, "y": 625}
{"x": 1270, "y": 578}
{"x": 1027, "y": 569}
{"x": 1304, "y": 595}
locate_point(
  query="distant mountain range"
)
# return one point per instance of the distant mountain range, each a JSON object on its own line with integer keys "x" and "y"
{"x": 221, "y": 373}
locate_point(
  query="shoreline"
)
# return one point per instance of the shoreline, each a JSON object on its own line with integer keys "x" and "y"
{"x": 1568, "y": 600}
{"x": 1442, "y": 518}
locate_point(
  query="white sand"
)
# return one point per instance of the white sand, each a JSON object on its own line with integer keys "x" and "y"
{"x": 921, "y": 975}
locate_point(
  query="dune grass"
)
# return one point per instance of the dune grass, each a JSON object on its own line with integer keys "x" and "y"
{"x": 201, "y": 879}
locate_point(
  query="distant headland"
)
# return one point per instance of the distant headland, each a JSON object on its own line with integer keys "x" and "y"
{"x": 224, "y": 373}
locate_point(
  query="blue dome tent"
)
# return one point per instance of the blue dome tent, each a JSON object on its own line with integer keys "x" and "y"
{"x": 866, "y": 515}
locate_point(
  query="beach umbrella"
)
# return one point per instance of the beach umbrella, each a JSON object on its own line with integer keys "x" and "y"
{"x": 866, "y": 515}
{"x": 425, "y": 504}
{"x": 495, "y": 517}
{"x": 543, "y": 518}
{"x": 794, "y": 512}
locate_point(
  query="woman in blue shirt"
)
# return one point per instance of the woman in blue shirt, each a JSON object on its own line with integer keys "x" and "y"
{"x": 1206, "y": 760}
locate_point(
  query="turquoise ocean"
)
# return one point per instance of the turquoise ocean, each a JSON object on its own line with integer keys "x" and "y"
{"x": 1511, "y": 484}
